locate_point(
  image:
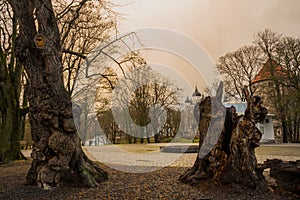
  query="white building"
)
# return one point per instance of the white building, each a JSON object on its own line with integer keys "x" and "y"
{"x": 96, "y": 140}
{"x": 267, "y": 127}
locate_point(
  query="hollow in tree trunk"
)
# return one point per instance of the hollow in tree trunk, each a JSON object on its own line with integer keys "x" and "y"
{"x": 231, "y": 159}
{"x": 57, "y": 154}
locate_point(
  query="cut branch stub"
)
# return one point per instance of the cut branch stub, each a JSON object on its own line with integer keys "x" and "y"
{"x": 40, "y": 41}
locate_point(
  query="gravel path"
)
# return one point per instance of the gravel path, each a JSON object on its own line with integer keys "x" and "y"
{"x": 130, "y": 157}
{"x": 150, "y": 155}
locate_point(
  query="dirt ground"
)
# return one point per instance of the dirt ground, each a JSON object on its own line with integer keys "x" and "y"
{"x": 160, "y": 184}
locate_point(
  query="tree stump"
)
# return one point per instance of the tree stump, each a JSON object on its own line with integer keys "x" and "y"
{"x": 231, "y": 159}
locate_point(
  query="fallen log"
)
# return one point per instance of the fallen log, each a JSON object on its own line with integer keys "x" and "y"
{"x": 285, "y": 173}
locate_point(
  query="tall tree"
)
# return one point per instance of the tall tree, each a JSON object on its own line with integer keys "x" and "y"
{"x": 239, "y": 68}
{"x": 171, "y": 127}
{"x": 289, "y": 53}
{"x": 96, "y": 81}
{"x": 10, "y": 87}
{"x": 283, "y": 52}
{"x": 103, "y": 106}
{"x": 148, "y": 92}
{"x": 270, "y": 67}
{"x": 58, "y": 151}
{"x": 83, "y": 24}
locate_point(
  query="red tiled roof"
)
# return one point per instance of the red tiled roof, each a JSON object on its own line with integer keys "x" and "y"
{"x": 265, "y": 73}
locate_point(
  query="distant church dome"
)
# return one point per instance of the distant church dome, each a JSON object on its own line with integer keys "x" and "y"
{"x": 196, "y": 93}
{"x": 188, "y": 100}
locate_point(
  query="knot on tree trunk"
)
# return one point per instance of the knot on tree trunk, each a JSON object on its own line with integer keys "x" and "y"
{"x": 61, "y": 143}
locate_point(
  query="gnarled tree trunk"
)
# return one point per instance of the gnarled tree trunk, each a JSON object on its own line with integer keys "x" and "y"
{"x": 232, "y": 158}
{"x": 57, "y": 153}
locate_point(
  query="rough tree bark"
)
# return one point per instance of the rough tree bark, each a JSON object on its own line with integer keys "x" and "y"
{"x": 57, "y": 154}
{"x": 10, "y": 86}
{"x": 232, "y": 159}
{"x": 285, "y": 173}
{"x": 10, "y": 117}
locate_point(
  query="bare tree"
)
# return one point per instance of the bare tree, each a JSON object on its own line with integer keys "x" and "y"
{"x": 147, "y": 91}
{"x": 97, "y": 78}
{"x": 276, "y": 57}
{"x": 103, "y": 106}
{"x": 171, "y": 127}
{"x": 288, "y": 55}
{"x": 11, "y": 87}
{"x": 282, "y": 52}
{"x": 289, "y": 51}
{"x": 83, "y": 24}
{"x": 239, "y": 68}
{"x": 58, "y": 151}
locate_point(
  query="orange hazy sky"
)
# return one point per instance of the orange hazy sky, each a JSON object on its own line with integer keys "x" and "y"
{"x": 219, "y": 26}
